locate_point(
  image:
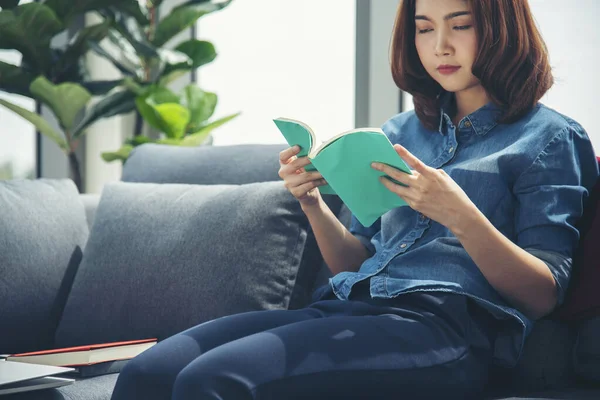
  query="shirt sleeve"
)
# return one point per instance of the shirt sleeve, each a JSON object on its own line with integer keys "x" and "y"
{"x": 550, "y": 195}
{"x": 365, "y": 234}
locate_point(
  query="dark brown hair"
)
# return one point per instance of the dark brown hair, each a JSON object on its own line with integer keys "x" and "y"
{"x": 511, "y": 62}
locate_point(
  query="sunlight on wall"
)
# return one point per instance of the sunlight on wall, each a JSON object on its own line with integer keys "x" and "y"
{"x": 281, "y": 59}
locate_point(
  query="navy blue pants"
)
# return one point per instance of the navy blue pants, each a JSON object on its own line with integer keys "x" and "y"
{"x": 417, "y": 346}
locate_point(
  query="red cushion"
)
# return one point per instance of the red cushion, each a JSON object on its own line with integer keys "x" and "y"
{"x": 583, "y": 296}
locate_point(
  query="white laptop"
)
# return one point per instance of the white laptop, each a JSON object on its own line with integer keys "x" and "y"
{"x": 18, "y": 377}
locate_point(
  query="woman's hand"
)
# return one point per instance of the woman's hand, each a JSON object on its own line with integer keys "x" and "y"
{"x": 301, "y": 184}
{"x": 430, "y": 191}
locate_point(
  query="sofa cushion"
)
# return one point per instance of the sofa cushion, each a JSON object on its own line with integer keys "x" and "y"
{"x": 42, "y": 233}
{"x": 236, "y": 164}
{"x": 208, "y": 165}
{"x": 164, "y": 257}
{"x": 587, "y": 350}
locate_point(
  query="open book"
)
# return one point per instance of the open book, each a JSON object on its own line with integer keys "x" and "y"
{"x": 345, "y": 160}
{"x": 85, "y": 355}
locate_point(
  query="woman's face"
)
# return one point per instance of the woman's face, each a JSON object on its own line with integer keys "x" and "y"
{"x": 446, "y": 42}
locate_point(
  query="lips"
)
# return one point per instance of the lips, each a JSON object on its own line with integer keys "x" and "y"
{"x": 448, "y": 69}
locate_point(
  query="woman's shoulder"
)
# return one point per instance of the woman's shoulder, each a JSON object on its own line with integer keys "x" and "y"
{"x": 550, "y": 121}
{"x": 400, "y": 122}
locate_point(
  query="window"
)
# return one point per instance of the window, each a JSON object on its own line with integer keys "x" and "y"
{"x": 18, "y": 136}
{"x": 281, "y": 59}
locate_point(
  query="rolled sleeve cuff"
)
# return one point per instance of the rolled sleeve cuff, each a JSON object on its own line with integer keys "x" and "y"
{"x": 560, "y": 267}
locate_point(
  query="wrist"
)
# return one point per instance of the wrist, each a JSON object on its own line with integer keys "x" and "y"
{"x": 312, "y": 206}
{"x": 467, "y": 222}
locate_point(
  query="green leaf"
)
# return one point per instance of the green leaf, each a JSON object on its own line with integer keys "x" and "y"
{"x": 131, "y": 69}
{"x": 29, "y": 29}
{"x": 138, "y": 140}
{"x": 66, "y": 10}
{"x": 147, "y": 102}
{"x": 148, "y": 112}
{"x": 97, "y": 88}
{"x": 116, "y": 103}
{"x": 177, "y": 21}
{"x": 207, "y": 5}
{"x": 183, "y": 17}
{"x": 132, "y": 8}
{"x": 14, "y": 79}
{"x": 65, "y": 100}
{"x": 131, "y": 31}
{"x": 121, "y": 154}
{"x": 170, "y": 118}
{"x": 6, "y": 4}
{"x": 201, "y": 105}
{"x": 161, "y": 94}
{"x": 40, "y": 123}
{"x": 197, "y": 138}
{"x": 175, "y": 119}
{"x": 79, "y": 46}
{"x": 199, "y": 53}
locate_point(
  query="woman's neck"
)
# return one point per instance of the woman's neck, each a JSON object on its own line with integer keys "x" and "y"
{"x": 468, "y": 101}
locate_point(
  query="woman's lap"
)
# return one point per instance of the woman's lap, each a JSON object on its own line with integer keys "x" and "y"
{"x": 332, "y": 348}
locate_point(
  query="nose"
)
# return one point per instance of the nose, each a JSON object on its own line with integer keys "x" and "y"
{"x": 442, "y": 44}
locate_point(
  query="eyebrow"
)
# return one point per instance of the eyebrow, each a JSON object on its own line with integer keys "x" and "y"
{"x": 446, "y": 18}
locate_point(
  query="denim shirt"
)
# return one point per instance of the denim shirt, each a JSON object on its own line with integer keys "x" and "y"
{"x": 530, "y": 178}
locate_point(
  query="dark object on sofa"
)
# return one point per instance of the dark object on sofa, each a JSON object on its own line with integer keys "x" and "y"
{"x": 114, "y": 283}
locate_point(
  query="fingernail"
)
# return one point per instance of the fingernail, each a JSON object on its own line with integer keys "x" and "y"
{"x": 296, "y": 148}
{"x": 375, "y": 165}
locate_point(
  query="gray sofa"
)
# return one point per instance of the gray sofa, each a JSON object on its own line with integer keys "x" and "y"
{"x": 191, "y": 234}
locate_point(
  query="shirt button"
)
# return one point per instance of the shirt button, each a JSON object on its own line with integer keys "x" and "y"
{"x": 451, "y": 149}
{"x": 422, "y": 216}
{"x": 468, "y": 124}
{"x": 403, "y": 245}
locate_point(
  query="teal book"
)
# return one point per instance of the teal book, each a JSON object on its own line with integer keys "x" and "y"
{"x": 345, "y": 160}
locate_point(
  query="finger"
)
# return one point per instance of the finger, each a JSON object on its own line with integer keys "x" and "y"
{"x": 301, "y": 179}
{"x": 401, "y": 191}
{"x": 395, "y": 173}
{"x": 296, "y": 166}
{"x": 411, "y": 160}
{"x": 303, "y": 190}
{"x": 286, "y": 154}
{"x": 300, "y": 162}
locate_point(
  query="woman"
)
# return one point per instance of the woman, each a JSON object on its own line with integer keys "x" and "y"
{"x": 425, "y": 300}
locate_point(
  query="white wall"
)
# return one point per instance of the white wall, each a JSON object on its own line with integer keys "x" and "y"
{"x": 570, "y": 29}
{"x": 281, "y": 58}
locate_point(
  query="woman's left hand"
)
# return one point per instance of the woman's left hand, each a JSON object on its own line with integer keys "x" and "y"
{"x": 430, "y": 191}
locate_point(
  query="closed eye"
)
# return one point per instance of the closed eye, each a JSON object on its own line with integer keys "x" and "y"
{"x": 424, "y": 30}
{"x": 462, "y": 28}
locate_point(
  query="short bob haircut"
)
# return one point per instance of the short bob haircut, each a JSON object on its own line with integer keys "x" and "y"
{"x": 511, "y": 62}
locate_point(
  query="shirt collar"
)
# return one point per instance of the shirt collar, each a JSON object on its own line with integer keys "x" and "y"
{"x": 481, "y": 120}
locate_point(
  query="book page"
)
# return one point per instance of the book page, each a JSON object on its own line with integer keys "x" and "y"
{"x": 313, "y": 137}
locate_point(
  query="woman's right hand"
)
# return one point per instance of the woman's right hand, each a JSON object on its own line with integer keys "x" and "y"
{"x": 301, "y": 184}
